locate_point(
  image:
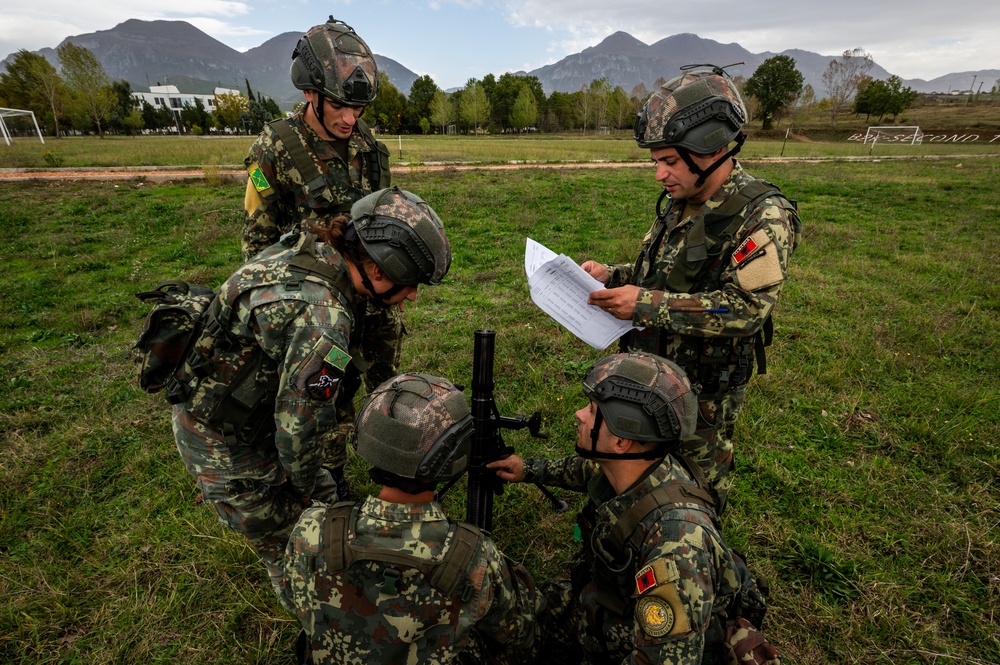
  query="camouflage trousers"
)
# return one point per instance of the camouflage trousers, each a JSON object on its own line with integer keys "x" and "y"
{"x": 711, "y": 446}
{"x": 264, "y": 509}
{"x": 381, "y": 343}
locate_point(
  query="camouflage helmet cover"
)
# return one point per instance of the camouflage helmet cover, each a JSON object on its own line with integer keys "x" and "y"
{"x": 700, "y": 111}
{"x": 416, "y": 426}
{"x": 334, "y": 61}
{"x": 403, "y": 235}
{"x": 643, "y": 397}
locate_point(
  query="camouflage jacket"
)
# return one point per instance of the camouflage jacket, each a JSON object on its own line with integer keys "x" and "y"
{"x": 741, "y": 281}
{"x": 351, "y": 617}
{"x": 278, "y": 199}
{"x": 682, "y": 573}
{"x": 274, "y": 366}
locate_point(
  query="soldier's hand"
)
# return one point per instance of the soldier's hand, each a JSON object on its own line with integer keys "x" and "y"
{"x": 510, "y": 468}
{"x": 597, "y": 271}
{"x": 619, "y": 302}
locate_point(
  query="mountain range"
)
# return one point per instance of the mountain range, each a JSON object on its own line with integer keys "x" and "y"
{"x": 150, "y": 52}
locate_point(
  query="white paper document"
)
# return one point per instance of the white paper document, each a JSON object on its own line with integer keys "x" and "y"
{"x": 560, "y": 288}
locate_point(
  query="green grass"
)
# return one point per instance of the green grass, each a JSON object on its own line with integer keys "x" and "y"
{"x": 210, "y": 153}
{"x": 867, "y": 457}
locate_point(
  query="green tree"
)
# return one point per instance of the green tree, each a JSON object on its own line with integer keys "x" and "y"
{"x": 524, "y": 113}
{"x": 125, "y": 103}
{"x": 475, "y": 107}
{"x": 620, "y": 111}
{"x": 418, "y": 104}
{"x": 156, "y": 117}
{"x": 774, "y": 85}
{"x": 90, "y": 89}
{"x": 196, "y": 118}
{"x": 442, "y": 112}
{"x": 32, "y": 83}
{"x": 228, "y": 107}
{"x": 505, "y": 93}
{"x": 884, "y": 98}
{"x": 387, "y": 111}
{"x": 843, "y": 77}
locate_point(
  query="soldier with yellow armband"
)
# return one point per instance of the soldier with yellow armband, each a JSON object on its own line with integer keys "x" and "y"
{"x": 655, "y": 581}
{"x": 310, "y": 168}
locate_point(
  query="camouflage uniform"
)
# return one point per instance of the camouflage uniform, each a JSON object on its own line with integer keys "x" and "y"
{"x": 706, "y": 319}
{"x": 351, "y": 616}
{"x": 252, "y": 431}
{"x": 279, "y": 200}
{"x": 658, "y": 607}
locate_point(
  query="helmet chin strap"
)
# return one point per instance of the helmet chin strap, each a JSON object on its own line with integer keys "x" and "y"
{"x": 351, "y": 242}
{"x": 318, "y": 111}
{"x": 704, "y": 173}
{"x": 379, "y": 298}
{"x": 659, "y": 452}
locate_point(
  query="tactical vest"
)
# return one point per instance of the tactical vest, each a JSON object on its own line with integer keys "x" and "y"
{"x": 612, "y": 557}
{"x": 450, "y": 575}
{"x": 718, "y": 364}
{"x": 316, "y": 173}
{"x": 231, "y": 383}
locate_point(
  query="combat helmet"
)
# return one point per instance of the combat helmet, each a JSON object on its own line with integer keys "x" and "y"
{"x": 416, "y": 426}
{"x": 335, "y": 62}
{"x": 641, "y": 397}
{"x": 402, "y": 235}
{"x": 697, "y": 112}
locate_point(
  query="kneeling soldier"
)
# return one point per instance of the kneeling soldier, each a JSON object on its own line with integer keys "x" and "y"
{"x": 655, "y": 581}
{"x": 392, "y": 579}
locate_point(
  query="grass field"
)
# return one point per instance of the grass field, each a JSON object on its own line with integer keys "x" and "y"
{"x": 868, "y": 463}
{"x": 222, "y": 152}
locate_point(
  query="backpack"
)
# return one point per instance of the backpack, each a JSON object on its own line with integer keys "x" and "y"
{"x": 170, "y": 329}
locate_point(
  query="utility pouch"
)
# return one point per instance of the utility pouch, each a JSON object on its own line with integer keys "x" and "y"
{"x": 168, "y": 333}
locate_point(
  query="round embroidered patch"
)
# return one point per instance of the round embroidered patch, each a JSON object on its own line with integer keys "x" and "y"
{"x": 323, "y": 384}
{"x": 655, "y": 616}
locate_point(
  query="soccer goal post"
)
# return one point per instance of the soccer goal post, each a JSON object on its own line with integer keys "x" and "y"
{"x": 895, "y": 134}
{"x": 11, "y": 113}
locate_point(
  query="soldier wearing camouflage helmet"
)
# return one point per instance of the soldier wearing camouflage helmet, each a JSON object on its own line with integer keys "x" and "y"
{"x": 318, "y": 163}
{"x": 640, "y": 592}
{"x": 253, "y": 415}
{"x": 392, "y": 579}
{"x": 711, "y": 268}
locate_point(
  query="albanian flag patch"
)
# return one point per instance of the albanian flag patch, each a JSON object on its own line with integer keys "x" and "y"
{"x": 645, "y": 580}
{"x": 744, "y": 251}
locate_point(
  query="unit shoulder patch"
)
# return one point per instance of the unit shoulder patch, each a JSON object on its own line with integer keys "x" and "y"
{"x": 757, "y": 263}
{"x": 338, "y": 358}
{"x": 258, "y": 179}
{"x": 655, "y": 616}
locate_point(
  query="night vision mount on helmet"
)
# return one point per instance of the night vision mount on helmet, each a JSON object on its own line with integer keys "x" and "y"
{"x": 641, "y": 397}
{"x": 698, "y": 112}
{"x": 335, "y": 62}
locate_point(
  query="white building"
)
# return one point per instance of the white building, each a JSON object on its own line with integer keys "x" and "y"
{"x": 169, "y": 97}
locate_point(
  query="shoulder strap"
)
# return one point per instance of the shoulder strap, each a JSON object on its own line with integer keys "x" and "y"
{"x": 446, "y": 575}
{"x": 313, "y": 174}
{"x": 676, "y": 492}
{"x": 377, "y": 159}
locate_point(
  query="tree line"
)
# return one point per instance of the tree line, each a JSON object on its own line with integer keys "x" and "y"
{"x": 84, "y": 99}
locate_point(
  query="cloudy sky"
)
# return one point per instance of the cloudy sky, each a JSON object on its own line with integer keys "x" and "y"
{"x": 454, "y": 40}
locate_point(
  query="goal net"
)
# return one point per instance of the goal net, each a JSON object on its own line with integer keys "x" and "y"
{"x": 895, "y": 134}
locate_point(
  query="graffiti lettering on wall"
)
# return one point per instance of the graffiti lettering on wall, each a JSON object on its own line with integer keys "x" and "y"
{"x": 931, "y": 138}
